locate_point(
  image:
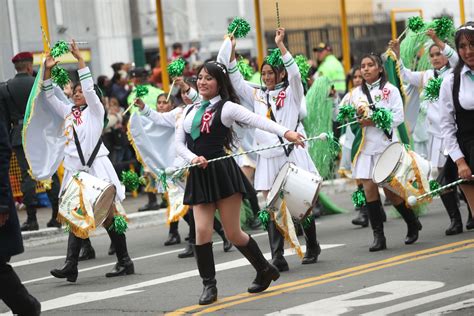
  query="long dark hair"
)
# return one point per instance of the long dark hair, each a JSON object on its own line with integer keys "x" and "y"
{"x": 378, "y": 61}
{"x": 467, "y": 31}
{"x": 277, "y": 70}
{"x": 225, "y": 89}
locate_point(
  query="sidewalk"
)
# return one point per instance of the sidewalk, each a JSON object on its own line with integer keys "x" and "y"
{"x": 333, "y": 188}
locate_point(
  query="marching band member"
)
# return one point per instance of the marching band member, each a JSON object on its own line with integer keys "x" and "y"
{"x": 457, "y": 114}
{"x": 376, "y": 91}
{"x": 166, "y": 115}
{"x": 204, "y": 134}
{"x": 280, "y": 101}
{"x": 442, "y": 58}
{"x": 85, "y": 120}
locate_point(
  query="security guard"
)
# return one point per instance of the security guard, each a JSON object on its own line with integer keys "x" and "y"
{"x": 13, "y": 100}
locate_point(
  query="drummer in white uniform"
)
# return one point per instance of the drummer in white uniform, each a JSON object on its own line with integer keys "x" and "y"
{"x": 377, "y": 91}
{"x": 83, "y": 123}
{"x": 443, "y": 58}
{"x": 280, "y": 100}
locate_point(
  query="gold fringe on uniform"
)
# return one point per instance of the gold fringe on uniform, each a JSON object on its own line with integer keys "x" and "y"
{"x": 287, "y": 229}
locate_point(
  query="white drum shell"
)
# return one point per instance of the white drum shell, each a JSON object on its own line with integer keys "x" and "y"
{"x": 99, "y": 193}
{"x": 300, "y": 188}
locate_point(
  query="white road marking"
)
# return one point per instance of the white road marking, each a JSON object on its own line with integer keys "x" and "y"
{"x": 469, "y": 303}
{"x": 35, "y": 260}
{"x": 134, "y": 259}
{"x": 87, "y": 297}
{"x": 381, "y": 293}
{"x": 423, "y": 300}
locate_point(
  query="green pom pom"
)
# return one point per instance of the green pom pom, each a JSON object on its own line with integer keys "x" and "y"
{"x": 307, "y": 221}
{"x": 176, "y": 67}
{"x": 431, "y": 91}
{"x": 59, "y": 49}
{"x": 382, "y": 118}
{"x": 60, "y": 76}
{"x": 415, "y": 23}
{"x": 346, "y": 112}
{"x": 444, "y": 28}
{"x": 303, "y": 66}
{"x": 434, "y": 185}
{"x": 358, "y": 198}
{"x": 245, "y": 69}
{"x": 141, "y": 91}
{"x": 274, "y": 58}
{"x": 131, "y": 180}
{"x": 240, "y": 27}
{"x": 264, "y": 217}
{"x": 119, "y": 225}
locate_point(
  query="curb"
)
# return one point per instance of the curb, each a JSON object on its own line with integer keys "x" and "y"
{"x": 137, "y": 220}
{"x": 152, "y": 218}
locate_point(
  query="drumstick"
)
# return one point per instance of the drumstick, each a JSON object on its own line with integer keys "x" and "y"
{"x": 171, "y": 90}
{"x": 128, "y": 109}
{"x": 169, "y": 171}
{"x": 347, "y": 124}
{"x": 412, "y": 200}
{"x": 403, "y": 33}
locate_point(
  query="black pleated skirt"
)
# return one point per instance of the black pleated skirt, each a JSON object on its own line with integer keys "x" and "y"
{"x": 219, "y": 180}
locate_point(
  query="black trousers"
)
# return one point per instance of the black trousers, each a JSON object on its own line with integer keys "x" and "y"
{"x": 13, "y": 293}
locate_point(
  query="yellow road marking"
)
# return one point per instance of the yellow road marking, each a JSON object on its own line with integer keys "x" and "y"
{"x": 329, "y": 277}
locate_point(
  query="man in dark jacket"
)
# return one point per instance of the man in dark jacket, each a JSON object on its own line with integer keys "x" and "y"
{"x": 12, "y": 292}
{"x": 14, "y": 96}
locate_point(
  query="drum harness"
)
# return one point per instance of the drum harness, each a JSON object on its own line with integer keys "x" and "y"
{"x": 81, "y": 155}
{"x": 272, "y": 117}
{"x": 372, "y": 107}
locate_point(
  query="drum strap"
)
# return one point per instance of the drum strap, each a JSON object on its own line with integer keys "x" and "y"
{"x": 81, "y": 154}
{"x": 369, "y": 98}
{"x": 272, "y": 117}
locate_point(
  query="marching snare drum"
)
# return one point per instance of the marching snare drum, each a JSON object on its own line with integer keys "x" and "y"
{"x": 97, "y": 197}
{"x": 299, "y": 188}
{"x": 402, "y": 171}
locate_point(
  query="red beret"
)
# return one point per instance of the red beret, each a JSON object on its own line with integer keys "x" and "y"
{"x": 22, "y": 56}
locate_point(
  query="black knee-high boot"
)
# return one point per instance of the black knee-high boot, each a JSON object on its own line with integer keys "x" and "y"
{"x": 219, "y": 230}
{"x": 266, "y": 272}
{"x": 470, "y": 222}
{"x": 413, "y": 224}
{"x": 451, "y": 205}
{"x": 313, "y": 249}
{"x": 189, "y": 250}
{"x": 87, "y": 251}
{"x": 207, "y": 271}
{"x": 69, "y": 270}
{"x": 124, "y": 264}
{"x": 277, "y": 243}
{"x": 376, "y": 221}
{"x": 173, "y": 236}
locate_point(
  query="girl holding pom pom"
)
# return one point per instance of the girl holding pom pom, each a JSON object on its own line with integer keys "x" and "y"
{"x": 442, "y": 58}
{"x": 83, "y": 123}
{"x": 376, "y": 93}
{"x": 279, "y": 99}
{"x": 204, "y": 133}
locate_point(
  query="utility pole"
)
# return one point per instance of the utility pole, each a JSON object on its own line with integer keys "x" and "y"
{"x": 137, "y": 43}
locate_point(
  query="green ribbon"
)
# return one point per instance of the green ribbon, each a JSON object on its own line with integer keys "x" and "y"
{"x": 196, "y": 126}
{"x": 119, "y": 225}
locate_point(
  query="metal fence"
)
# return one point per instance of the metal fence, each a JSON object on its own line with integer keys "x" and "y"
{"x": 370, "y": 35}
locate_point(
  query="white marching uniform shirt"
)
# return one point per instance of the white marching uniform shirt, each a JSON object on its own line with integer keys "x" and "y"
{"x": 448, "y": 112}
{"x": 88, "y": 132}
{"x": 374, "y": 139}
{"x": 231, "y": 113}
{"x": 269, "y": 162}
{"x": 433, "y": 109}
